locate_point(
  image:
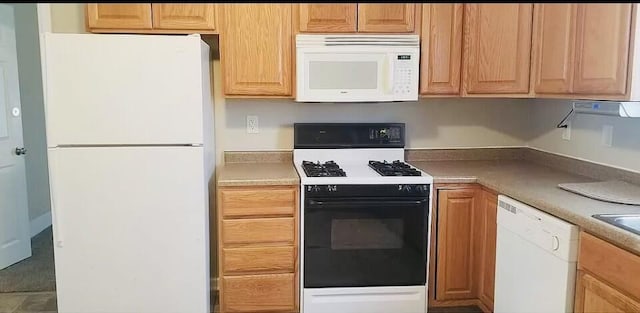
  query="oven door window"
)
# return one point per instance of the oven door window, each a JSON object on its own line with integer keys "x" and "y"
{"x": 356, "y": 243}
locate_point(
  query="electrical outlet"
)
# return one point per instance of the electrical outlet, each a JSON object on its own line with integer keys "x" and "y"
{"x": 252, "y": 124}
{"x": 607, "y": 135}
{"x": 566, "y": 132}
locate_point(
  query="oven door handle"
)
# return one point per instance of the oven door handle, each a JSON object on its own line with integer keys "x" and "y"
{"x": 316, "y": 203}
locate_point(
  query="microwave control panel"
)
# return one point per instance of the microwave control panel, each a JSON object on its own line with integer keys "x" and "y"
{"x": 405, "y": 75}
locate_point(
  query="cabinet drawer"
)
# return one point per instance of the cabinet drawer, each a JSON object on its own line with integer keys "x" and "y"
{"x": 256, "y": 202}
{"x": 259, "y": 293}
{"x": 612, "y": 264}
{"x": 262, "y": 259}
{"x": 259, "y": 230}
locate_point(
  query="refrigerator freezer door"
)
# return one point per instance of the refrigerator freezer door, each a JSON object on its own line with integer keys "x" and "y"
{"x": 130, "y": 229}
{"x": 123, "y": 89}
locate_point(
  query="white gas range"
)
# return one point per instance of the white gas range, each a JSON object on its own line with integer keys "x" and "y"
{"x": 364, "y": 220}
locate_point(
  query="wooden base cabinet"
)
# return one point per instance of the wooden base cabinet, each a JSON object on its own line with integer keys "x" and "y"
{"x": 464, "y": 247}
{"x": 607, "y": 278}
{"x": 457, "y": 209}
{"x": 596, "y": 296}
{"x": 487, "y": 248}
{"x": 258, "y": 250}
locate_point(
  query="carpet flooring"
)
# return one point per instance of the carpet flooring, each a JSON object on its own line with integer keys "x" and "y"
{"x": 28, "y": 302}
{"x": 34, "y": 274}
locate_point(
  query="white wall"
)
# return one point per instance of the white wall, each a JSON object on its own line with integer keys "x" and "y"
{"x": 31, "y": 100}
{"x": 433, "y": 123}
{"x": 586, "y": 132}
{"x": 67, "y": 17}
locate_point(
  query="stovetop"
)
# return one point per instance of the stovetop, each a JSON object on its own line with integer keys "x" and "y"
{"x": 326, "y": 169}
{"x": 395, "y": 168}
{"x": 341, "y": 153}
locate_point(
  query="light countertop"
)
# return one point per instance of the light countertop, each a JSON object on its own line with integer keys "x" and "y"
{"x": 248, "y": 174}
{"x": 536, "y": 185}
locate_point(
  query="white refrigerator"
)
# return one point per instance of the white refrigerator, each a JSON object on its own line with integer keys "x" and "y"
{"x": 130, "y": 145}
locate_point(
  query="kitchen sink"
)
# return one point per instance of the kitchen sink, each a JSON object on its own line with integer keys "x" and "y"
{"x": 630, "y": 222}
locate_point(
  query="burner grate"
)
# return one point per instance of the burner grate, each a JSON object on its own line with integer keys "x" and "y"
{"x": 326, "y": 169}
{"x": 395, "y": 168}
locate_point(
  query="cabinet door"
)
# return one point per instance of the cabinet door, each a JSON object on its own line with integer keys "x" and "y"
{"x": 497, "y": 48}
{"x": 441, "y": 48}
{"x": 184, "y": 16}
{"x": 455, "y": 246}
{"x": 259, "y": 293}
{"x": 122, "y": 16}
{"x": 553, "y": 47}
{"x": 487, "y": 246}
{"x": 595, "y": 296}
{"x": 327, "y": 18}
{"x": 602, "y": 48}
{"x": 386, "y": 18}
{"x": 255, "y": 49}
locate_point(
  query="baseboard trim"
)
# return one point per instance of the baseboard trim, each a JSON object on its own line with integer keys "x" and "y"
{"x": 40, "y": 223}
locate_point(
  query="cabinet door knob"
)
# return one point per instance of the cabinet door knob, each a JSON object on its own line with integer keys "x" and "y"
{"x": 21, "y": 151}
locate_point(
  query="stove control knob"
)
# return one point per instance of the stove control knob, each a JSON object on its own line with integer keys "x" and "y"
{"x": 407, "y": 188}
{"x": 331, "y": 188}
{"x": 316, "y": 188}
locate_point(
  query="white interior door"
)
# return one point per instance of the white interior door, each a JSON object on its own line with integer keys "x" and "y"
{"x": 15, "y": 242}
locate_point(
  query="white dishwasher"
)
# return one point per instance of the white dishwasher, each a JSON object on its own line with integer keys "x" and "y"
{"x": 536, "y": 257}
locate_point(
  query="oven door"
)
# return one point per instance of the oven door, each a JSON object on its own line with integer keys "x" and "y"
{"x": 363, "y": 242}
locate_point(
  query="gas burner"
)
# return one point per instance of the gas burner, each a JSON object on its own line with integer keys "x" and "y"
{"x": 395, "y": 168}
{"x": 328, "y": 169}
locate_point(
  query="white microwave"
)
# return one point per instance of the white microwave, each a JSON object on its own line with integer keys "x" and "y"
{"x": 357, "y": 68}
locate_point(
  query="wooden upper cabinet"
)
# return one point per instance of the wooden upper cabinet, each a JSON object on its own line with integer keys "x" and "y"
{"x": 486, "y": 245}
{"x": 386, "y": 18}
{"x": 455, "y": 274}
{"x": 184, "y": 16}
{"x": 497, "y": 48}
{"x": 314, "y": 17}
{"x": 256, "y": 49}
{"x": 441, "y": 49}
{"x": 602, "y": 48}
{"x": 553, "y": 47}
{"x": 125, "y": 16}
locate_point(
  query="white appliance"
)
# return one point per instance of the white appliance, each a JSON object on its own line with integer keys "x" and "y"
{"x": 357, "y": 68}
{"x": 130, "y": 146}
{"x": 364, "y": 236}
{"x": 536, "y": 257}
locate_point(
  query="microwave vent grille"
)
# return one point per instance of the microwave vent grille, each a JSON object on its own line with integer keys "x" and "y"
{"x": 357, "y": 40}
